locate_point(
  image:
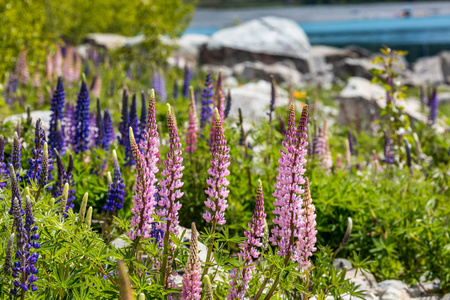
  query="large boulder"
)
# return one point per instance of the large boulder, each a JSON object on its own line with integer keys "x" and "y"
{"x": 189, "y": 47}
{"x": 332, "y": 55}
{"x": 427, "y": 70}
{"x": 445, "y": 60}
{"x": 257, "y": 70}
{"x": 268, "y": 39}
{"x": 356, "y": 67}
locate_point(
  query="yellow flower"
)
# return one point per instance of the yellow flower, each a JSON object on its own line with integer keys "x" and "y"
{"x": 300, "y": 95}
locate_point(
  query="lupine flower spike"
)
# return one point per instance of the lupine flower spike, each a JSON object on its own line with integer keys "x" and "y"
{"x": 208, "y": 288}
{"x": 88, "y": 217}
{"x": 187, "y": 81}
{"x": 192, "y": 281}
{"x": 220, "y": 96}
{"x": 170, "y": 193}
{"x": 434, "y": 106}
{"x": 191, "y": 140}
{"x": 143, "y": 200}
{"x": 124, "y": 123}
{"x": 207, "y": 95}
{"x": 64, "y": 197}
{"x": 125, "y": 292}
{"x": 57, "y": 108}
{"x": 116, "y": 190}
{"x": 3, "y": 168}
{"x": 240, "y": 279}
{"x": 143, "y": 117}
{"x": 228, "y": 105}
{"x": 82, "y": 120}
{"x": 82, "y": 211}
{"x": 108, "y": 130}
{"x": 134, "y": 120}
{"x": 15, "y": 192}
{"x": 307, "y": 246}
{"x": 33, "y": 173}
{"x": 8, "y": 255}
{"x": 217, "y": 191}
{"x": 288, "y": 190}
{"x": 43, "y": 176}
{"x": 16, "y": 156}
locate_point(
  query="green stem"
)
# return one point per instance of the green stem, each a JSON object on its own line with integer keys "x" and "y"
{"x": 210, "y": 246}
{"x": 263, "y": 285}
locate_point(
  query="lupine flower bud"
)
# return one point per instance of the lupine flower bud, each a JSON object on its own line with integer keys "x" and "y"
{"x": 8, "y": 255}
{"x": 141, "y": 296}
{"x": 44, "y": 167}
{"x": 17, "y": 153}
{"x": 89, "y": 217}
{"x": 220, "y": 96}
{"x": 15, "y": 192}
{"x": 27, "y": 192}
{"x": 64, "y": 196}
{"x": 208, "y": 288}
{"x": 82, "y": 209}
{"x": 192, "y": 283}
{"x": 109, "y": 178}
{"x": 228, "y": 105}
{"x": 348, "y": 232}
{"x": 125, "y": 292}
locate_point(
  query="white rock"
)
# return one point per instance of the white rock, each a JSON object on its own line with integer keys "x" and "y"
{"x": 270, "y": 35}
{"x": 427, "y": 70}
{"x": 365, "y": 280}
{"x": 384, "y": 285}
{"x": 392, "y": 293}
{"x": 44, "y": 115}
{"x": 189, "y": 46}
{"x": 341, "y": 263}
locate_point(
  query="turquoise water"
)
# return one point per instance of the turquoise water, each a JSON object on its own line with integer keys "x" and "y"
{"x": 401, "y": 31}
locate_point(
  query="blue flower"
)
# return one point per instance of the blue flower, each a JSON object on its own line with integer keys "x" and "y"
{"x": 82, "y": 120}
{"x": 57, "y": 107}
{"x": 116, "y": 190}
{"x": 207, "y": 111}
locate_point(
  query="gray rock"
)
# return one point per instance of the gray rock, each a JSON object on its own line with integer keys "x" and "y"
{"x": 446, "y": 297}
{"x": 44, "y": 115}
{"x": 357, "y": 67}
{"x": 189, "y": 47}
{"x": 392, "y": 293}
{"x": 267, "y": 39}
{"x": 365, "y": 280}
{"x": 445, "y": 60}
{"x": 332, "y": 55}
{"x": 359, "y": 52}
{"x": 427, "y": 70}
{"x": 342, "y": 263}
{"x": 384, "y": 285}
{"x": 106, "y": 40}
{"x": 257, "y": 70}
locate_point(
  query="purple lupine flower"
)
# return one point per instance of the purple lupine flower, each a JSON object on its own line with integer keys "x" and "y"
{"x": 273, "y": 97}
{"x": 228, "y": 104}
{"x": 219, "y": 99}
{"x": 171, "y": 184}
{"x": 175, "y": 89}
{"x": 422, "y": 95}
{"x": 350, "y": 142}
{"x": 116, "y": 190}
{"x": 307, "y": 246}
{"x": 8, "y": 255}
{"x": 57, "y": 106}
{"x": 290, "y": 132}
{"x": 64, "y": 176}
{"x": 159, "y": 85}
{"x": 33, "y": 173}
{"x": 3, "y": 168}
{"x": 240, "y": 279}
{"x": 108, "y": 130}
{"x": 206, "y": 111}
{"x": 44, "y": 168}
{"x": 82, "y": 120}
{"x": 217, "y": 191}
{"x": 434, "y": 106}
{"x": 11, "y": 89}
{"x": 124, "y": 123}
{"x": 68, "y": 126}
{"x": 24, "y": 270}
{"x": 143, "y": 117}
{"x": 16, "y": 157}
{"x": 143, "y": 200}
{"x": 187, "y": 81}
{"x": 289, "y": 221}
{"x": 99, "y": 138}
{"x": 388, "y": 149}
{"x": 192, "y": 277}
{"x": 191, "y": 138}
{"x": 134, "y": 120}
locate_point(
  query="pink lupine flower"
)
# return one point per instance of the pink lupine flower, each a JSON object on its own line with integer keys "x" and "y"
{"x": 143, "y": 199}
{"x": 240, "y": 279}
{"x": 171, "y": 184}
{"x": 217, "y": 191}
{"x": 68, "y": 70}
{"x": 290, "y": 132}
{"x": 192, "y": 277}
{"x": 376, "y": 167}
{"x": 191, "y": 139}
{"x": 289, "y": 221}
{"x": 149, "y": 143}
{"x": 22, "y": 67}
{"x": 96, "y": 87}
{"x": 77, "y": 69}
{"x": 306, "y": 247}
{"x": 49, "y": 67}
{"x": 326, "y": 162}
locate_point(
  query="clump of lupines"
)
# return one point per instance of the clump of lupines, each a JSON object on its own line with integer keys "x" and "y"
{"x": 434, "y": 106}
{"x": 217, "y": 191}
{"x": 3, "y": 168}
{"x": 240, "y": 279}
{"x": 82, "y": 118}
{"x": 192, "y": 278}
{"x": 116, "y": 190}
{"x": 191, "y": 139}
{"x": 108, "y": 130}
{"x": 289, "y": 221}
{"x": 307, "y": 246}
{"x": 143, "y": 200}
{"x": 207, "y": 94}
{"x": 57, "y": 108}
{"x": 24, "y": 270}
{"x": 170, "y": 192}
{"x": 187, "y": 81}
{"x": 143, "y": 117}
